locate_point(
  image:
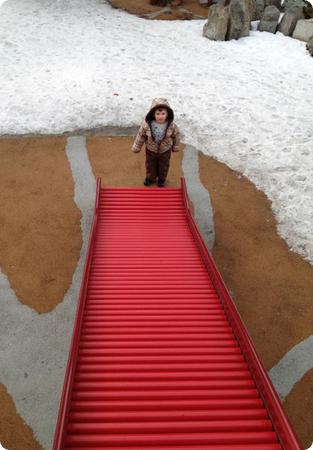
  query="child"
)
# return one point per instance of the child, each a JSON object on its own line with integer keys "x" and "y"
{"x": 161, "y": 136}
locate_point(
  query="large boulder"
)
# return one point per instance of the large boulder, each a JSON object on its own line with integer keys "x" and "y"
{"x": 269, "y": 19}
{"x": 239, "y": 19}
{"x": 251, "y": 5}
{"x": 303, "y": 30}
{"x": 259, "y": 8}
{"x": 308, "y": 10}
{"x": 309, "y": 46}
{"x": 289, "y": 20}
{"x": 287, "y": 4}
{"x": 215, "y": 28}
{"x": 276, "y": 3}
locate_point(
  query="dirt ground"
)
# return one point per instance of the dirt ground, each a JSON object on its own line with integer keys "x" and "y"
{"x": 272, "y": 287}
{"x": 142, "y": 7}
{"x": 113, "y": 161}
{"x": 14, "y": 433}
{"x": 40, "y": 238}
{"x": 299, "y": 407}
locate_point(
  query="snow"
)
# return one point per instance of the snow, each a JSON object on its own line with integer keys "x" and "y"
{"x": 247, "y": 103}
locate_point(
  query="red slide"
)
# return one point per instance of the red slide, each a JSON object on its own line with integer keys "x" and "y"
{"x": 160, "y": 358}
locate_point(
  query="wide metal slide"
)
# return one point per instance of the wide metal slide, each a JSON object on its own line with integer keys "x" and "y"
{"x": 160, "y": 358}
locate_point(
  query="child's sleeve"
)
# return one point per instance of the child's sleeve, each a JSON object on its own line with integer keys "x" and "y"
{"x": 140, "y": 139}
{"x": 176, "y": 139}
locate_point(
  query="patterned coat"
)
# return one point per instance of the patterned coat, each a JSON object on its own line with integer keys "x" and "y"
{"x": 171, "y": 139}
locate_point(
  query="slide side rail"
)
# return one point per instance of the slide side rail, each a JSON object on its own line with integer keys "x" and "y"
{"x": 70, "y": 369}
{"x": 282, "y": 426}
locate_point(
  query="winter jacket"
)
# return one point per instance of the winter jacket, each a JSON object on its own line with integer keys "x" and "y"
{"x": 145, "y": 135}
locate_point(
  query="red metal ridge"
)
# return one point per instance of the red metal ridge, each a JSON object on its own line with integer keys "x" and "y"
{"x": 282, "y": 426}
{"x": 70, "y": 369}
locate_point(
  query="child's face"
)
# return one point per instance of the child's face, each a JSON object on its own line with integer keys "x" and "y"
{"x": 160, "y": 115}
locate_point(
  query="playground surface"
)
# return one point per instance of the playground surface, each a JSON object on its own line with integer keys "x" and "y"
{"x": 271, "y": 286}
{"x": 241, "y": 118}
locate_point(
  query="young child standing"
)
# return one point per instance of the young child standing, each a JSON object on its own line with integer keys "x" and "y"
{"x": 161, "y": 136}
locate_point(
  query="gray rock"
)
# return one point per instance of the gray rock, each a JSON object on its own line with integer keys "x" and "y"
{"x": 309, "y": 46}
{"x": 292, "y": 4}
{"x": 260, "y": 6}
{"x": 215, "y": 28}
{"x": 303, "y": 30}
{"x": 239, "y": 19}
{"x": 308, "y": 10}
{"x": 289, "y": 20}
{"x": 269, "y": 19}
{"x": 251, "y": 4}
{"x": 276, "y": 3}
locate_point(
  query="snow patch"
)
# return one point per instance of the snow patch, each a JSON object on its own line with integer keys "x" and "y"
{"x": 246, "y": 102}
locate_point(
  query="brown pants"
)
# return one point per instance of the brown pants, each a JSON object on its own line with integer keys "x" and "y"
{"x": 157, "y": 165}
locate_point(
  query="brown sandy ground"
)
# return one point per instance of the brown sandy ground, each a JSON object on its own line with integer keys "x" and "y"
{"x": 40, "y": 230}
{"x": 14, "y": 434}
{"x": 271, "y": 286}
{"x": 299, "y": 407}
{"x": 40, "y": 238}
{"x": 142, "y": 7}
{"x": 113, "y": 161}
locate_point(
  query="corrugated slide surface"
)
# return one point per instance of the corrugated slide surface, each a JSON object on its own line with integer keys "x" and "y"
{"x": 160, "y": 358}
